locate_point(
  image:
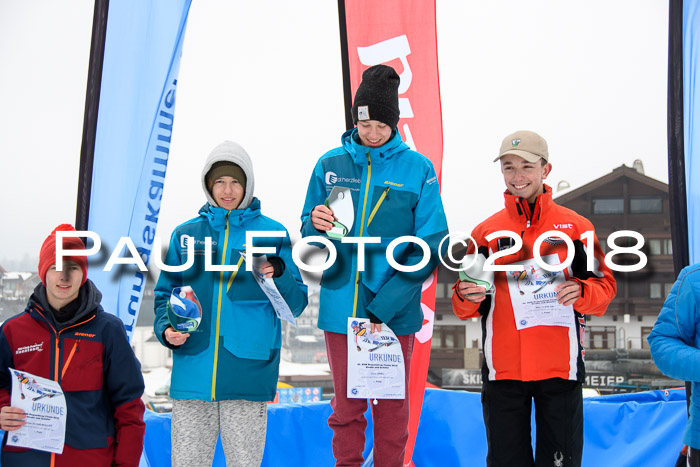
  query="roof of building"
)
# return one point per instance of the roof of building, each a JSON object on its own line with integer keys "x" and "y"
{"x": 620, "y": 172}
{"x": 23, "y": 276}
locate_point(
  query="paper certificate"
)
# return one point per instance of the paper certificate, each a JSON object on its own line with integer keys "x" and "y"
{"x": 45, "y": 406}
{"x": 376, "y": 368}
{"x": 268, "y": 286}
{"x": 533, "y": 297}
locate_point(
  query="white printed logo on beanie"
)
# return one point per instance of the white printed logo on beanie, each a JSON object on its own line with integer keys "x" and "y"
{"x": 363, "y": 112}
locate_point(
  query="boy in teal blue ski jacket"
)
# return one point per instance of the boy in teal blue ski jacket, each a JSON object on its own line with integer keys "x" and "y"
{"x": 234, "y": 354}
{"x": 675, "y": 346}
{"x": 395, "y": 193}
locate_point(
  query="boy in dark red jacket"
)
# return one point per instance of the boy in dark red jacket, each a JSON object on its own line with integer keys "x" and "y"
{"x": 65, "y": 335}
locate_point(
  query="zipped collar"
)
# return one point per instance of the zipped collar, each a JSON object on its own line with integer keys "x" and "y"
{"x": 236, "y": 217}
{"x": 380, "y": 155}
{"x": 519, "y": 208}
{"x": 90, "y": 299}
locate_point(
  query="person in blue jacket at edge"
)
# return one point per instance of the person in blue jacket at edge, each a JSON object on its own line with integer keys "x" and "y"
{"x": 675, "y": 347}
{"x": 227, "y": 368}
{"x": 395, "y": 192}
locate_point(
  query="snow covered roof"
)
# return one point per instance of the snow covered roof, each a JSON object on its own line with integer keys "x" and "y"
{"x": 17, "y": 276}
{"x": 303, "y": 369}
{"x": 155, "y": 379}
{"x": 306, "y": 338}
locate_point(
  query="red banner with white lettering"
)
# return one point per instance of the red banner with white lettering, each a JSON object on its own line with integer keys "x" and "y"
{"x": 402, "y": 34}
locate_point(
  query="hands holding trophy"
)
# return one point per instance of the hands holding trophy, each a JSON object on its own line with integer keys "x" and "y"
{"x": 475, "y": 282}
{"x": 184, "y": 314}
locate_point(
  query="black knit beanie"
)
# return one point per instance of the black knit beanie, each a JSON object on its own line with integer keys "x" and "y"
{"x": 377, "y": 97}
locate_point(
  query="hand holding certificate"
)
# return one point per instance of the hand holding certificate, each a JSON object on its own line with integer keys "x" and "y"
{"x": 267, "y": 284}
{"x": 11, "y": 418}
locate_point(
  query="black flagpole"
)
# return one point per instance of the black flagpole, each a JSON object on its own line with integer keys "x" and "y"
{"x": 347, "y": 97}
{"x": 676, "y": 153}
{"x": 92, "y": 102}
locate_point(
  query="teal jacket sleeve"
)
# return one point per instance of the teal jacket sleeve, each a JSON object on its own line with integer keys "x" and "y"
{"x": 430, "y": 226}
{"x": 315, "y": 195}
{"x": 290, "y": 284}
{"x": 167, "y": 281}
{"x": 674, "y": 338}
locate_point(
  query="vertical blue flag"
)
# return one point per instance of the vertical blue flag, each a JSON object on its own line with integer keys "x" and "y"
{"x": 691, "y": 122}
{"x": 132, "y": 143}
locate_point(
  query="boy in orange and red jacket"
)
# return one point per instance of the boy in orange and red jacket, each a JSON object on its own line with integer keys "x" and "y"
{"x": 65, "y": 335}
{"x": 533, "y": 322}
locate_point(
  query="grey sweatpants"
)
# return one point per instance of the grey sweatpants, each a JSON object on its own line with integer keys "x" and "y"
{"x": 196, "y": 425}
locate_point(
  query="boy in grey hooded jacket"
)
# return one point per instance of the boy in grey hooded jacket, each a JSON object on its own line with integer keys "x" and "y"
{"x": 227, "y": 368}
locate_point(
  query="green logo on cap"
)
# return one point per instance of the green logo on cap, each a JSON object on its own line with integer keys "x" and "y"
{"x": 515, "y": 142}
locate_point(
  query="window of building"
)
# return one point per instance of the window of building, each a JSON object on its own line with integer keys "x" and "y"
{"x": 654, "y": 290}
{"x": 660, "y": 246}
{"x": 448, "y": 337}
{"x": 440, "y": 290}
{"x": 436, "y": 341}
{"x": 443, "y": 290}
{"x": 608, "y": 206}
{"x": 601, "y": 337}
{"x": 654, "y": 246}
{"x": 646, "y": 330}
{"x": 645, "y": 205}
{"x": 668, "y": 246}
{"x": 659, "y": 290}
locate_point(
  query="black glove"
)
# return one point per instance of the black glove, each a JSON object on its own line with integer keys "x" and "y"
{"x": 277, "y": 264}
{"x": 373, "y": 319}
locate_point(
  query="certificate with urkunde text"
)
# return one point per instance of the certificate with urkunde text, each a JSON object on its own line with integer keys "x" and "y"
{"x": 534, "y": 298}
{"x": 45, "y": 407}
{"x": 376, "y": 368}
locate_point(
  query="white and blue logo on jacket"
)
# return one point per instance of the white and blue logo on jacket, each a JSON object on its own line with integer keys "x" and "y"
{"x": 331, "y": 178}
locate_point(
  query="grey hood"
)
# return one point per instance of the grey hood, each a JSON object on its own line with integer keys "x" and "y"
{"x": 228, "y": 151}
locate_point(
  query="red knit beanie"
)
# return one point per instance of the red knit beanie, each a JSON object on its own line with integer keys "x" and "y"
{"x": 47, "y": 255}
